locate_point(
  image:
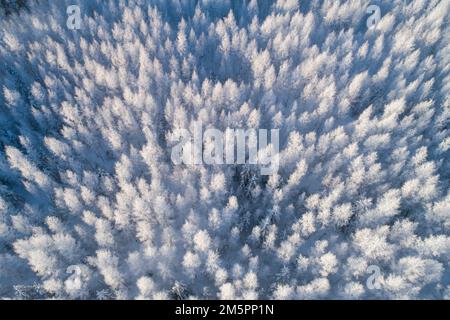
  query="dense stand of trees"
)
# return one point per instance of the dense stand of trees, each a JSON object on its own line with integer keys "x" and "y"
{"x": 91, "y": 206}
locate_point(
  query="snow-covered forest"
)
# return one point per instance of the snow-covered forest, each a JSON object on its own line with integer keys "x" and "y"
{"x": 92, "y": 207}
